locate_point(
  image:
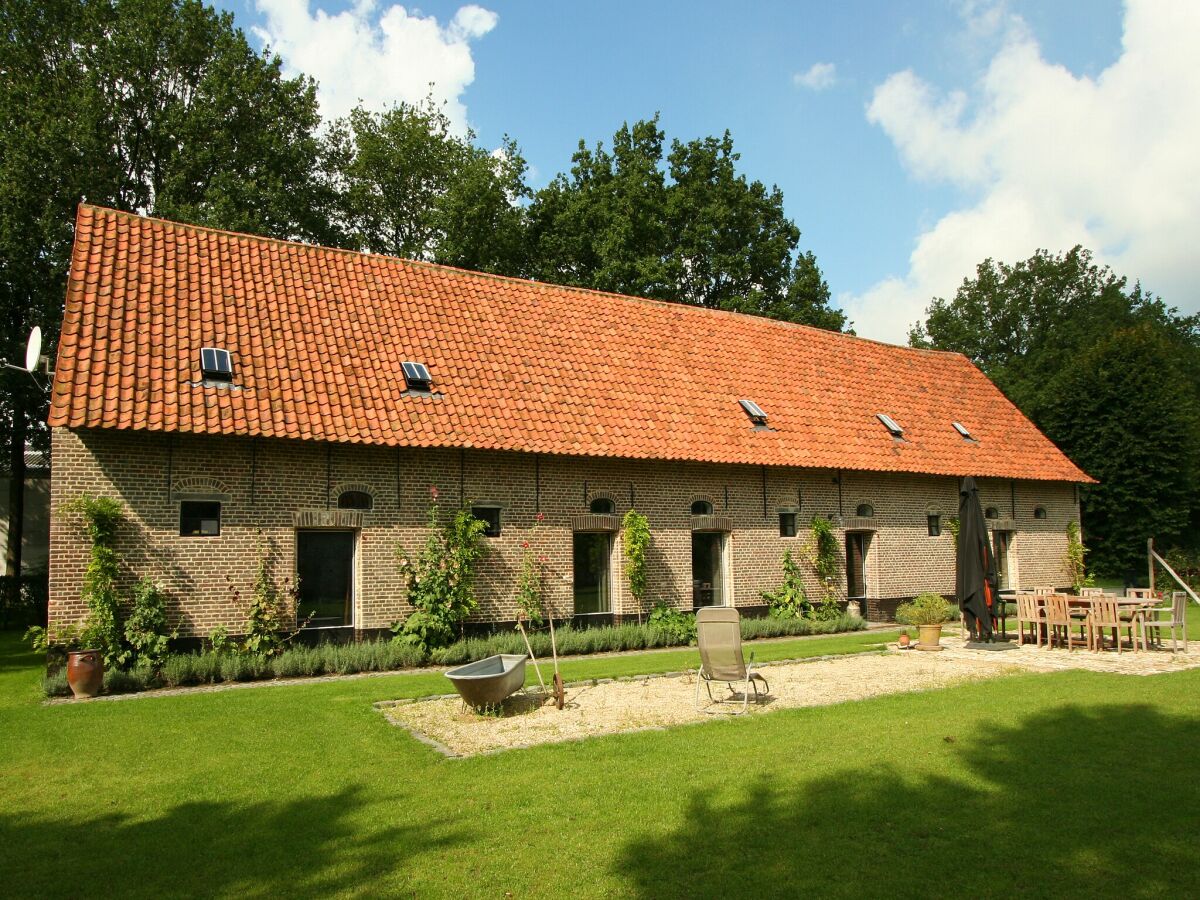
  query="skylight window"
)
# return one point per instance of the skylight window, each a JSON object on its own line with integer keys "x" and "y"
{"x": 962, "y": 429}
{"x": 754, "y": 411}
{"x": 416, "y": 376}
{"x": 216, "y": 364}
{"x": 890, "y": 424}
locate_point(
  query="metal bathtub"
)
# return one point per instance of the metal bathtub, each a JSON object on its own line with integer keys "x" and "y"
{"x": 487, "y": 682}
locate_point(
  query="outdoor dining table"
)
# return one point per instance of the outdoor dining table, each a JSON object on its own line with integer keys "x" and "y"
{"x": 1083, "y": 604}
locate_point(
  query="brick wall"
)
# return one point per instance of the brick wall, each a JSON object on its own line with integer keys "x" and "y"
{"x": 265, "y": 484}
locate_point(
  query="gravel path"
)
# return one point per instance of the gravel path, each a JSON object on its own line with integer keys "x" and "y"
{"x": 657, "y": 702}
{"x": 609, "y": 707}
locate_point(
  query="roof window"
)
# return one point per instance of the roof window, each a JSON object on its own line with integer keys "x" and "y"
{"x": 962, "y": 429}
{"x": 754, "y": 411}
{"x": 890, "y": 424}
{"x": 416, "y": 376}
{"x": 216, "y": 364}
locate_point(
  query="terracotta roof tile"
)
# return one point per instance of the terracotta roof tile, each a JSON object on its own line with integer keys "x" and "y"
{"x": 318, "y": 335}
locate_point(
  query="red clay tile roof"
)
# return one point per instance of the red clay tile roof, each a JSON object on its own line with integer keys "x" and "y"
{"x": 318, "y": 336}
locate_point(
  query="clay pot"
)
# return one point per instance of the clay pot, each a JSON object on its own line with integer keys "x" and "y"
{"x": 931, "y": 637}
{"x": 85, "y": 673}
{"x": 904, "y": 639}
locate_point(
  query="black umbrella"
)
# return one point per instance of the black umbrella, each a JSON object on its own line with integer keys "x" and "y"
{"x": 975, "y": 584}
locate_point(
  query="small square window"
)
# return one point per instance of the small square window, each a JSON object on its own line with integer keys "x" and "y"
{"x": 787, "y": 524}
{"x": 935, "y": 524}
{"x": 490, "y": 516}
{"x": 199, "y": 518}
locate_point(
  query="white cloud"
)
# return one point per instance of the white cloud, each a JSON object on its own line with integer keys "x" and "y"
{"x": 818, "y": 77}
{"x": 1051, "y": 159}
{"x": 377, "y": 56}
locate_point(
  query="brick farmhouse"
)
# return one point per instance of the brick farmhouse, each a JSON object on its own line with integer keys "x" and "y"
{"x": 528, "y": 398}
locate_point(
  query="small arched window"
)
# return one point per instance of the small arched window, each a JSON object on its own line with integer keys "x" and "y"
{"x": 701, "y": 508}
{"x": 354, "y": 500}
{"x": 602, "y": 506}
{"x": 865, "y": 510}
{"x": 1039, "y": 512}
{"x": 991, "y": 513}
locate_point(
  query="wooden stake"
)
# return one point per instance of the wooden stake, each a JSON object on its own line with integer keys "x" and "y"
{"x": 532, "y": 657}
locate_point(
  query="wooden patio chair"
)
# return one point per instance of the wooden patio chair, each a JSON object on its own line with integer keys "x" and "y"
{"x": 719, "y": 634}
{"x": 1042, "y": 590}
{"x": 1176, "y": 618}
{"x": 1029, "y": 613}
{"x": 1060, "y": 622}
{"x": 1091, "y": 592}
{"x": 1139, "y": 593}
{"x": 1106, "y": 613}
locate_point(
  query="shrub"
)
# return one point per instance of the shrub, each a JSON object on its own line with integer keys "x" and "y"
{"x": 23, "y": 601}
{"x": 925, "y": 609}
{"x": 675, "y": 624}
{"x": 440, "y": 582}
{"x": 769, "y": 628}
{"x": 790, "y": 601}
{"x": 146, "y": 634}
{"x": 54, "y": 684}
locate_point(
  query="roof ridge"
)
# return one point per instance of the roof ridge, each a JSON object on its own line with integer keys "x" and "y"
{"x": 513, "y": 279}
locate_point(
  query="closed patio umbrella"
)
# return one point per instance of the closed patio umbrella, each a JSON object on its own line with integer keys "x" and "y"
{"x": 975, "y": 583}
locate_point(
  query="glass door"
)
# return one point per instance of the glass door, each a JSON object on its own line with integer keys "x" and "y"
{"x": 592, "y": 552}
{"x": 708, "y": 568}
{"x": 1001, "y": 540}
{"x": 325, "y": 568}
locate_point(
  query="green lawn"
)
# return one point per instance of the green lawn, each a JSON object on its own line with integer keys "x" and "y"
{"x": 1038, "y": 785}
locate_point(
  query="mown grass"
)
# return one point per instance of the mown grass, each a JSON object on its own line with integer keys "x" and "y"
{"x": 1074, "y": 784}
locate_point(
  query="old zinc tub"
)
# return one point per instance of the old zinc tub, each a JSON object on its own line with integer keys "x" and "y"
{"x": 486, "y": 682}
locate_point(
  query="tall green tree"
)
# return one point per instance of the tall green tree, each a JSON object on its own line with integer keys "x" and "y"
{"x": 407, "y": 185}
{"x": 682, "y": 225}
{"x": 154, "y": 106}
{"x": 1110, "y": 373}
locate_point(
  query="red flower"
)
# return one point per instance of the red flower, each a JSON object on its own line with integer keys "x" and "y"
{"x": 433, "y": 491}
{"x": 525, "y": 544}
{"x": 543, "y": 559}
{"x": 541, "y": 517}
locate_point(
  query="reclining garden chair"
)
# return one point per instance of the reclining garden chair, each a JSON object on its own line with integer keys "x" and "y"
{"x": 719, "y": 634}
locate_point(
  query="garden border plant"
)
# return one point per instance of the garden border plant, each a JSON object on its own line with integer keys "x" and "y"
{"x": 223, "y": 664}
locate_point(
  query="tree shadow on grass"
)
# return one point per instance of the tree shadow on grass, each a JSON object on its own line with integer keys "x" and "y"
{"x": 1098, "y": 801}
{"x": 316, "y": 846}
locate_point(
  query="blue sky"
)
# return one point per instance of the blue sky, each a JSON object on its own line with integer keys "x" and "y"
{"x": 941, "y": 132}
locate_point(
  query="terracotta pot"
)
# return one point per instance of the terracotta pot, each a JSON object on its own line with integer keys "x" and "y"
{"x": 931, "y": 637}
{"x": 904, "y": 640}
{"x": 85, "y": 673}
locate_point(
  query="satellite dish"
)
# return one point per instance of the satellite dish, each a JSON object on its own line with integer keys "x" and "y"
{"x": 33, "y": 351}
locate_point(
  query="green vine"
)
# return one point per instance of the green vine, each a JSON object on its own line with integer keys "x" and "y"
{"x": 1076, "y": 556}
{"x": 636, "y": 542}
{"x": 531, "y": 583}
{"x": 952, "y": 526}
{"x": 440, "y": 581}
{"x": 147, "y": 638}
{"x": 100, "y": 518}
{"x": 271, "y": 613}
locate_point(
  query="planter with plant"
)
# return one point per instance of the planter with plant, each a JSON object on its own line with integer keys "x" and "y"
{"x": 927, "y": 611}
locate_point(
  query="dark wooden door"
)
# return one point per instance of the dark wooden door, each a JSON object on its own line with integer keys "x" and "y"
{"x": 856, "y": 564}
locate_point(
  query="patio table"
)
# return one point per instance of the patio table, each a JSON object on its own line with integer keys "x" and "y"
{"x": 1082, "y": 604}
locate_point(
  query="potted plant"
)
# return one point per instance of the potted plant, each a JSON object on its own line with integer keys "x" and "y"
{"x": 904, "y": 640}
{"x": 927, "y": 611}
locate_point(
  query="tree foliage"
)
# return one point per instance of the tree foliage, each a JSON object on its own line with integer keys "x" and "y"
{"x": 1110, "y": 373}
{"x": 681, "y": 225}
{"x": 406, "y": 185}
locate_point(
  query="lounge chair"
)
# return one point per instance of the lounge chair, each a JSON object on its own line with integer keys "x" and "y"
{"x": 719, "y": 634}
